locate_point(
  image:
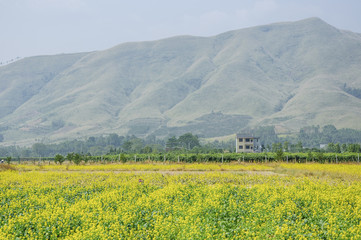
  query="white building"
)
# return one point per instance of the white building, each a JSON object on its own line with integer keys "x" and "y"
{"x": 247, "y": 143}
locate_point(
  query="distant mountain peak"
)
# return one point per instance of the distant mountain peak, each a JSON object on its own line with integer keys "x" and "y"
{"x": 284, "y": 74}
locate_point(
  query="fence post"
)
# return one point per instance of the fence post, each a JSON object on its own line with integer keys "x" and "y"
{"x": 178, "y": 158}
{"x": 243, "y": 157}
{"x": 164, "y": 158}
{"x": 336, "y": 159}
{"x": 135, "y": 158}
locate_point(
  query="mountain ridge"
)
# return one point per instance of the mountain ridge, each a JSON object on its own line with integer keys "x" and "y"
{"x": 286, "y": 74}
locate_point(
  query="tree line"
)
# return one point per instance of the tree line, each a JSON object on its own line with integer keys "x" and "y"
{"x": 307, "y": 139}
{"x": 176, "y": 157}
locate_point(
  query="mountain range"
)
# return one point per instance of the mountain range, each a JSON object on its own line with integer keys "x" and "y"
{"x": 289, "y": 75}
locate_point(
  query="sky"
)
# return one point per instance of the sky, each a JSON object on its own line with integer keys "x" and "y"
{"x": 43, "y": 27}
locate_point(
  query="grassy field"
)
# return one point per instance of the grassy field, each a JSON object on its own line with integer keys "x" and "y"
{"x": 200, "y": 201}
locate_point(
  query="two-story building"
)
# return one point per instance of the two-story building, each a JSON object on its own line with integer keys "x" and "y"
{"x": 247, "y": 143}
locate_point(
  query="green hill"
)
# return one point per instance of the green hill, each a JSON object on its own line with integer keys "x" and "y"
{"x": 286, "y": 74}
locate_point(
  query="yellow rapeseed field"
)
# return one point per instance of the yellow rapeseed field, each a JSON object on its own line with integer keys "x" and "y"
{"x": 343, "y": 169}
{"x": 89, "y": 204}
{"x": 151, "y": 166}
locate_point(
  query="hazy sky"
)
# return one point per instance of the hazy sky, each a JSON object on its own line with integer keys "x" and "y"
{"x": 38, "y": 27}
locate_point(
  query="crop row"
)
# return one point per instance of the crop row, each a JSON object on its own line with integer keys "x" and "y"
{"x": 231, "y": 157}
{"x": 317, "y": 157}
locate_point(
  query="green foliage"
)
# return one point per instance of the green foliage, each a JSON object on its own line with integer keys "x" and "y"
{"x": 40, "y": 149}
{"x": 286, "y": 146}
{"x": 77, "y": 158}
{"x": 188, "y": 157}
{"x": 354, "y": 148}
{"x": 8, "y": 159}
{"x": 310, "y": 156}
{"x": 308, "y": 139}
{"x": 70, "y": 157}
{"x": 186, "y": 141}
{"x": 279, "y": 154}
{"x": 266, "y": 134}
{"x": 147, "y": 149}
{"x": 276, "y": 147}
{"x": 59, "y": 159}
{"x": 122, "y": 158}
{"x": 320, "y": 157}
{"x": 127, "y": 146}
{"x": 312, "y": 136}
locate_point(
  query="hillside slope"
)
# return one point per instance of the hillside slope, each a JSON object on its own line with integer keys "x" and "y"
{"x": 285, "y": 74}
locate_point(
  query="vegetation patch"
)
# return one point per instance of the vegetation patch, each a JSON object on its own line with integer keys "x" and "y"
{"x": 214, "y": 205}
{"x": 5, "y": 167}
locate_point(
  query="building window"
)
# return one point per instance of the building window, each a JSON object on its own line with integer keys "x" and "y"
{"x": 241, "y": 147}
{"x": 251, "y": 147}
{"x": 251, "y": 140}
{"x": 240, "y": 139}
{"x": 247, "y": 147}
{"x": 247, "y": 139}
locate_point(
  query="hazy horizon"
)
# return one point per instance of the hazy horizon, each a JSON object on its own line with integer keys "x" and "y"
{"x": 43, "y": 27}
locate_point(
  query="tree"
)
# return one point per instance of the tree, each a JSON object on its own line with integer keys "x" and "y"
{"x": 329, "y": 133}
{"x": 59, "y": 159}
{"x": 344, "y": 147}
{"x": 150, "y": 139}
{"x": 188, "y": 141}
{"x": 122, "y": 158}
{"x": 285, "y": 146}
{"x": 172, "y": 143}
{"x": 299, "y": 147}
{"x": 320, "y": 157}
{"x": 267, "y": 134}
{"x": 86, "y": 158}
{"x": 147, "y": 149}
{"x": 39, "y": 149}
{"x": 137, "y": 144}
{"x": 91, "y": 142}
{"x": 276, "y": 147}
{"x": 8, "y": 160}
{"x": 113, "y": 139}
{"x": 309, "y": 156}
{"x": 331, "y": 147}
{"x": 127, "y": 146}
{"x": 70, "y": 157}
{"x": 279, "y": 154}
{"x": 353, "y": 147}
{"x": 77, "y": 158}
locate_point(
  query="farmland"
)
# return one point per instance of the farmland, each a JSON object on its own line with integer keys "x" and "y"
{"x": 180, "y": 201}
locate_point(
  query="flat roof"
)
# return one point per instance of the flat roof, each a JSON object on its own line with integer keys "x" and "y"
{"x": 240, "y": 135}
